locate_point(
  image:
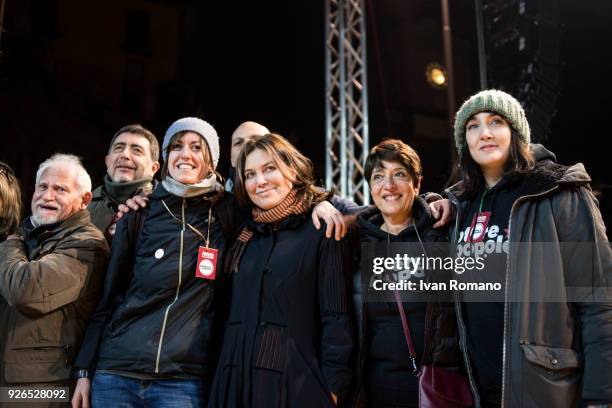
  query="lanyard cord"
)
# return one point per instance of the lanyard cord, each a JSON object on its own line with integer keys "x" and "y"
{"x": 484, "y": 193}
{"x": 191, "y": 227}
{"x": 208, "y": 229}
{"x": 482, "y": 199}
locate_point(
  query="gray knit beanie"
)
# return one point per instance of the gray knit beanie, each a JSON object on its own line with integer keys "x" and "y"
{"x": 491, "y": 100}
{"x": 198, "y": 126}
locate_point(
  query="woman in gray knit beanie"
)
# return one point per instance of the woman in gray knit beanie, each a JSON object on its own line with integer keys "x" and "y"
{"x": 544, "y": 338}
{"x": 158, "y": 318}
{"x": 166, "y": 282}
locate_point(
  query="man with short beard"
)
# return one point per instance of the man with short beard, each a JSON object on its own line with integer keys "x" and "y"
{"x": 131, "y": 163}
{"x": 51, "y": 274}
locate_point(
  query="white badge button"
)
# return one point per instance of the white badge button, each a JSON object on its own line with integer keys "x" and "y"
{"x": 206, "y": 267}
{"x": 159, "y": 253}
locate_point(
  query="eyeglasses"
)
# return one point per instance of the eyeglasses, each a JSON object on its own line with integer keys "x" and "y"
{"x": 395, "y": 178}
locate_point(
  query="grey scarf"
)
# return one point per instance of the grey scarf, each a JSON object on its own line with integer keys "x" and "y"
{"x": 191, "y": 190}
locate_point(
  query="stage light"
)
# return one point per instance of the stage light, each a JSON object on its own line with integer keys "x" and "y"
{"x": 436, "y": 75}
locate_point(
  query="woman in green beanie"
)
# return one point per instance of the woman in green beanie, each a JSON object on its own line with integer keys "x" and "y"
{"x": 545, "y": 340}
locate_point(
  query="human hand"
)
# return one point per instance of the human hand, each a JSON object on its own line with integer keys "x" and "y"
{"x": 332, "y": 217}
{"x": 82, "y": 392}
{"x": 442, "y": 211}
{"x": 132, "y": 204}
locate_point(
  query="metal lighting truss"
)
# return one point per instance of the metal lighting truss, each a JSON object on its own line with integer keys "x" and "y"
{"x": 346, "y": 99}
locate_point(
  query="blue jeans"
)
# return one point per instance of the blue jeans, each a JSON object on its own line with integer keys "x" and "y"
{"x": 110, "y": 390}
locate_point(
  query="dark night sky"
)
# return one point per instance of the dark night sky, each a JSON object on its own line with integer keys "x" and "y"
{"x": 263, "y": 61}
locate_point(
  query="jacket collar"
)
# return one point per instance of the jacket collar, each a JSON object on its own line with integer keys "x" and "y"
{"x": 120, "y": 192}
{"x": 370, "y": 220}
{"x": 160, "y": 193}
{"x": 58, "y": 230}
{"x": 289, "y": 223}
{"x": 545, "y": 175}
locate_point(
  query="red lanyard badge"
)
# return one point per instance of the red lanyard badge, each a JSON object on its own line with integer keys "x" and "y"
{"x": 206, "y": 267}
{"x": 479, "y": 227}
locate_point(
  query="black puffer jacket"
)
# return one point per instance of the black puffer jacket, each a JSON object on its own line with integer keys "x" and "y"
{"x": 555, "y": 353}
{"x": 155, "y": 316}
{"x": 438, "y": 344}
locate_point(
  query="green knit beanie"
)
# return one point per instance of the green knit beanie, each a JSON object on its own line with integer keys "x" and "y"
{"x": 491, "y": 100}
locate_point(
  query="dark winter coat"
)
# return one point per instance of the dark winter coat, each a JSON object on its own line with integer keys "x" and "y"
{"x": 554, "y": 353}
{"x": 288, "y": 340}
{"x": 439, "y": 337}
{"x": 49, "y": 284}
{"x": 104, "y": 206}
{"x": 155, "y": 317}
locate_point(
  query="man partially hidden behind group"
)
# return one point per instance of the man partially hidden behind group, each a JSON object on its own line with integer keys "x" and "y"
{"x": 131, "y": 163}
{"x": 243, "y": 133}
{"x": 51, "y": 273}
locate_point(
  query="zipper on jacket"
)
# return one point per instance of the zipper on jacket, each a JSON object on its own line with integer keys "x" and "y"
{"x": 504, "y": 402}
{"x": 460, "y": 323}
{"x": 178, "y": 289}
{"x": 429, "y": 336}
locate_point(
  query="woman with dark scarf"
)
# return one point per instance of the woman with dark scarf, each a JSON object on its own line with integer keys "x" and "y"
{"x": 10, "y": 202}
{"x": 288, "y": 339}
{"x": 386, "y": 374}
{"x": 546, "y": 340}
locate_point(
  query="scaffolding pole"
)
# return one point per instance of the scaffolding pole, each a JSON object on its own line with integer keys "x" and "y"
{"x": 346, "y": 99}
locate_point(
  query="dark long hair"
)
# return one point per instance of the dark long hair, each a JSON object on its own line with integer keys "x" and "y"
{"x": 520, "y": 161}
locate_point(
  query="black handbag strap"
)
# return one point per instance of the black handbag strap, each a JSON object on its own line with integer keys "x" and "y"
{"x": 400, "y": 308}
